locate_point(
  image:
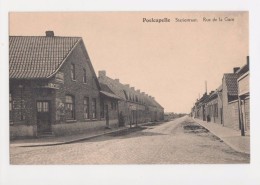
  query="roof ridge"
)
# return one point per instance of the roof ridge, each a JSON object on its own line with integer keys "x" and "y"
{"x": 44, "y": 36}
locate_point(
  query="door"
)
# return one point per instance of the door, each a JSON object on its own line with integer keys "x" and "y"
{"x": 107, "y": 116}
{"x": 43, "y": 117}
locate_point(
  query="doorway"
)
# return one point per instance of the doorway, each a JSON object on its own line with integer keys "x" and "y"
{"x": 43, "y": 117}
{"x": 107, "y": 116}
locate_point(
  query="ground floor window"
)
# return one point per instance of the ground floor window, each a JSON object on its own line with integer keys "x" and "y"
{"x": 102, "y": 109}
{"x": 94, "y": 108}
{"x": 42, "y": 106}
{"x": 70, "y": 107}
{"x": 86, "y": 107}
{"x": 216, "y": 110}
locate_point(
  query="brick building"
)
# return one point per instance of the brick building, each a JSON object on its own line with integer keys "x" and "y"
{"x": 228, "y": 104}
{"x": 54, "y": 89}
{"x": 244, "y": 98}
{"x": 214, "y": 106}
{"x": 200, "y": 107}
{"x": 135, "y": 106}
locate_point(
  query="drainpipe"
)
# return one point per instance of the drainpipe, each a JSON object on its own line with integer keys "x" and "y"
{"x": 241, "y": 118}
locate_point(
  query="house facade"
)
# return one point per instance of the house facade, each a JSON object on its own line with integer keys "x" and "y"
{"x": 53, "y": 88}
{"x": 244, "y": 99}
{"x": 214, "y": 106}
{"x": 229, "y": 104}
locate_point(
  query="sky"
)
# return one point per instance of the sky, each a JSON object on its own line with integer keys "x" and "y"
{"x": 169, "y": 60}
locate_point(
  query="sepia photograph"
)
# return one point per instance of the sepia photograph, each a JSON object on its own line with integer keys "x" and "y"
{"x": 124, "y": 88}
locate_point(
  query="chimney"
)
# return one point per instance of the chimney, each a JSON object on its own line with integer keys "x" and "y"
{"x": 138, "y": 90}
{"x": 49, "y": 33}
{"x": 117, "y": 80}
{"x": 143, "y": 93}
{"x": 235, "y": 69}
{"x": 133, "y": 88}
{"x": 153, "y": 98}
{"x": 127, "y": 85}
{"x": 101, "y": 73}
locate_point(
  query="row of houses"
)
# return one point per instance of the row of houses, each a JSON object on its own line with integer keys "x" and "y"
{"x": 54, "y": 90}
{"x": 228, "y": 104}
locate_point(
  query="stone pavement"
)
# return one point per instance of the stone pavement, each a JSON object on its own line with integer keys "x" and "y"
{"x": 49, "y": 141}
{"x": 231, "y": 137}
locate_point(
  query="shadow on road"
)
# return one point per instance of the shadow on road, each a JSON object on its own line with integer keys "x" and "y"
{"x": 125, "y": 134}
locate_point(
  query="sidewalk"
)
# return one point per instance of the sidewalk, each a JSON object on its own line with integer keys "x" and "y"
{"x": 50, "y": 141}
{"x": 231, "y": 137}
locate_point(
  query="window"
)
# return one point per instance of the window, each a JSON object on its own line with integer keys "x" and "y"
{"x": 10, "y": 107}
{"x": 216, "y": 110}
{"x": 84, "y": 76}
{"x": 70, "y": 107}
{"x": 72, "y": 71}
{"x": 115, "y": 104}
{"x": 94, "y": 111}
{"x": 86, "y": 107}
{"x": 42, "y": 106}
{"x": 102, "y": 109}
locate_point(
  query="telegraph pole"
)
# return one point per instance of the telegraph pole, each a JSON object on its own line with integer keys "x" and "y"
{"x": 206, "y": 89}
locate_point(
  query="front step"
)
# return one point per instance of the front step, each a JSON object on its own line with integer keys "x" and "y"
{"x": 45, "y": 134}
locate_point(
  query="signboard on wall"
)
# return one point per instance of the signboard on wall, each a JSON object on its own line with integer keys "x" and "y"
{"x": 59, "y": 77}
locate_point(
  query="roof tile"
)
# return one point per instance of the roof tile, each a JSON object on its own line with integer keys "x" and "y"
{"x": 37, "y": 56}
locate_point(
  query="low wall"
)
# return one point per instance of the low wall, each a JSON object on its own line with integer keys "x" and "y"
{"x": 81, "y": 127}
{"x": 20, "y": 131}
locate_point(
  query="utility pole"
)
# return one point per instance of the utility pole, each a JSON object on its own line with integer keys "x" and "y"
{"x": 206, "y": 89}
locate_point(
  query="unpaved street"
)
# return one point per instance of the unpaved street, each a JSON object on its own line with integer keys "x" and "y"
{"x": 176, "y": 142}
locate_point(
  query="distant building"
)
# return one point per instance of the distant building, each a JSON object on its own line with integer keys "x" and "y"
{"x": 135, "y": 106}
{"x": 229, "y": 103}
{"x": 214, "y": 106}
{"x": 200, "y": 107}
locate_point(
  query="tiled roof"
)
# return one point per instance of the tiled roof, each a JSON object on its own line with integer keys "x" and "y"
{"x": 104, "y": 87}
{"x": 105, "y": 90}
{"x": 38, "y": 56}
{"x": 124, "y": 92}
{"x": 231, "y": 82}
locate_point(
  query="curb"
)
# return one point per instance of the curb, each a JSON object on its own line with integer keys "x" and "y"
{"x": 74, "y": 140}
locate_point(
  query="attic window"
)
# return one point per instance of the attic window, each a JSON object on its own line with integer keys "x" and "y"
{"x": 84, "y": 76}
{"x": 72, "y": 71}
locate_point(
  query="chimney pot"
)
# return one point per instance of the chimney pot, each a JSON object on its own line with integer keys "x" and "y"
{"x": 101, "y": 73}
{"x": 49, "y": 33}
{"x": 235, "y": 69}
{"x": 117, "y": 80}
